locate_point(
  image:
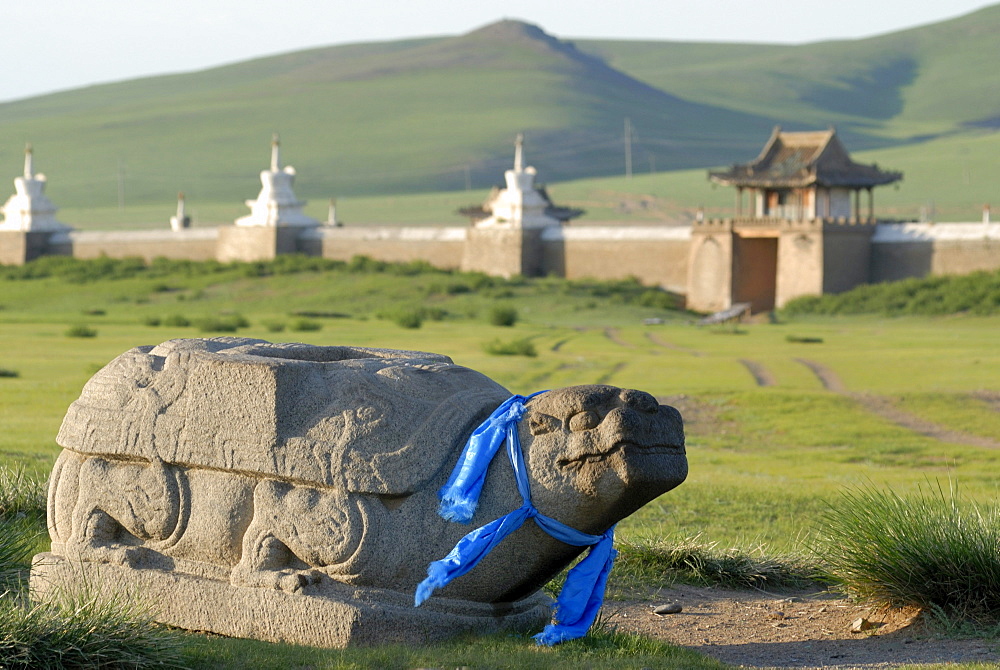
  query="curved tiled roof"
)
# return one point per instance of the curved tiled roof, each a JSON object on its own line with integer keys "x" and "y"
{"x": 797, "y": 159}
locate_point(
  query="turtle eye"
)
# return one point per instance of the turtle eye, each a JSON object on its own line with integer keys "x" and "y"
{"x": 584, "y": 421}
{"x": 539, "y": 424}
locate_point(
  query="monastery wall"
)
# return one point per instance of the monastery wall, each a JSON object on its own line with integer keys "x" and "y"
{"x": 441, "y": 247}
{"x": 901, "y": 250}
{"x": 196, "y": 244}
{"x": 656, "y": 255}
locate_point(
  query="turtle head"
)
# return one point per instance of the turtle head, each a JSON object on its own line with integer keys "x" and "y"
{"x": 597, "y": 453}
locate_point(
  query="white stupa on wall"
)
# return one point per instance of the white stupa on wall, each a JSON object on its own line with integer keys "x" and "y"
{"x": 29, "y": 209}
{"x": 521, "y": 204}
{"x": 276, "y": 205}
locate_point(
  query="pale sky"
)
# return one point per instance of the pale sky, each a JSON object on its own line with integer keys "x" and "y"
{"x": 50, "y": 45}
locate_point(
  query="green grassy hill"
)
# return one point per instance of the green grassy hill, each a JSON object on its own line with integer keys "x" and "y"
{"x": 439, "y": 114}
{"x": 904, "y": 86}
{"x": 375, "y": 119}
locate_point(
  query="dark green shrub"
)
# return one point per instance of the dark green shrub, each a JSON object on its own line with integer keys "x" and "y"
{"x": 503, "y": 315}
{"x": 801, "y": 339}
{"x": 521, "y": 347}
{"x": 658, "y": 299}
{"x": 434, "y": 313}
{"x": 94, "y": 312}
{"x": 80, "y": 330}
{"x": 151, "y": 321}
{"x": 303, "y": 325}
{"x": 274, "y": 326}
{"x": 409, "y": 319}
{"x": 364, "y": 264}
{"x": 236, "y": 318}
{"x": 221, "y": 324}
{"x": 7, "y": 372}
{"x": 177, "y": 321}
{"x": 311, "y": 314}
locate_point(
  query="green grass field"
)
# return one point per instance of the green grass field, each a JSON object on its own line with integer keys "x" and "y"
{"x": 765, "y": 461}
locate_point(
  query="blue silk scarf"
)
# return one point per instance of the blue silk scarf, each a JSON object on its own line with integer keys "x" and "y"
{"x": 583, "y": 593}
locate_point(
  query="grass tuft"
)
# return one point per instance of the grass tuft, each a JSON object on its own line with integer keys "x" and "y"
{"x": 84, "y": 632}
{"x": 21, "y": 495}
{"x": 930, "y": 550}
{"x": 694, "y": 561}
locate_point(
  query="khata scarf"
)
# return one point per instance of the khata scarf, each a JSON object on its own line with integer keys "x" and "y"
{"x": 583, "y": 593}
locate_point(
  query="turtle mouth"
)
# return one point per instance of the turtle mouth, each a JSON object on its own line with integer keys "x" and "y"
{"x": 625, "y": 446}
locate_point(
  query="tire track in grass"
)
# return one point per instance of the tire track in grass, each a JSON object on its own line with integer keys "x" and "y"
{"x": 655, "y": 339}
{"x": 607, "y": 376}
{"x": 827, "y": 377}
{"x": 885, "y": 408}
{"x": 614, "y": 335}
{"x": 991, "y": 398}
{"x": 558, "y": 345}
{"x": 760, "y": 374}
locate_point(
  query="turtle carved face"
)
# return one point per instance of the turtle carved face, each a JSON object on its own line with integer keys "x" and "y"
{"x": 619, "y": 448}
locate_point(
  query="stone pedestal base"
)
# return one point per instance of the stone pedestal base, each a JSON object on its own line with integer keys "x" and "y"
{"x": 339, "y": 616}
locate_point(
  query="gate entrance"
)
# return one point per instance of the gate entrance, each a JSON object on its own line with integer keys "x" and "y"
{"x": 755, "y": 271}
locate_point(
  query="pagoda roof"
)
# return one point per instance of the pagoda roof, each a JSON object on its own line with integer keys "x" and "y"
{"x": 798, "y": 159}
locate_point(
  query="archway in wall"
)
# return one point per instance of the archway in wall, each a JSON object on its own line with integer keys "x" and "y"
{"x": 755, "y": 271}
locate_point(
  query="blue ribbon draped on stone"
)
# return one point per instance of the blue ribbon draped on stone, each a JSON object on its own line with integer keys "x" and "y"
{"x": 583, "y": 593}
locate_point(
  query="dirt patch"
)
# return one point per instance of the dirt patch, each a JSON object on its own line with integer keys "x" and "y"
{"x": 802, "y": 629}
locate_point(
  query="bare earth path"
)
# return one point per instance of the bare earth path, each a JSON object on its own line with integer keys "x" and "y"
{"x": 792, "y": 630}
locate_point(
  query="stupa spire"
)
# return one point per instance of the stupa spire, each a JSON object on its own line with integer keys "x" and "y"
{"x": 275, "y": 153}
{"x": 519, "y": 153}
{"x": 29, "y": 162}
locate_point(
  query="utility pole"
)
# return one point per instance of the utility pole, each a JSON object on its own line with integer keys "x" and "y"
{"x": 628, "y": 147}
{"x": 121, "y": 186}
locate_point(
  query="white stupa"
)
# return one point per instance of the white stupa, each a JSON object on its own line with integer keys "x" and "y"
{"x": 181, "y": 220}
{"x": 521, "y": 204}
{"x": 29, "y": 209}
{"x": 276, "y": 205}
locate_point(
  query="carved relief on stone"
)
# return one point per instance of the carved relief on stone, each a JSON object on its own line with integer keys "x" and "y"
{"x": 314, "y": 471}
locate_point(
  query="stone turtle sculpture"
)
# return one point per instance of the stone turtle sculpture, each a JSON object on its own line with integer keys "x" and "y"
{"x": 288, "y": 492}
